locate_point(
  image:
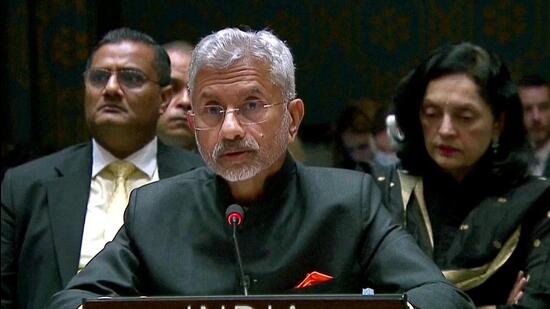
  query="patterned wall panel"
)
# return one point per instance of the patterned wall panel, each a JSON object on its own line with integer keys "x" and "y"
{"x": 349, "y": 49}
{"x": 16, "y": 107}
{"x": 62, "y": 44}
{"x": 343, "y": 49}
{"x": 46, "y": 69}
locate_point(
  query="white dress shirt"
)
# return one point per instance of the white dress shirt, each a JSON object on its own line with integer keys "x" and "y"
{"x": 94, "y": 236}
{"x": 542, "y": 155}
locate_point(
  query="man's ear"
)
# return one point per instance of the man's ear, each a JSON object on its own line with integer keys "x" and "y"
{"x": 296, "y": 111}
{"x": 190, "y": 121}
{"x": 166, "y": 94}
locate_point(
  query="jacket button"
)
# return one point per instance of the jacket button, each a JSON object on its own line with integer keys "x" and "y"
{"x": 381, "y": 178}
{"x": 464, "y": 227}
{"x": 497, "y": 244}
{"x": 536, "y": 243}
{"x": 502, "y": 200}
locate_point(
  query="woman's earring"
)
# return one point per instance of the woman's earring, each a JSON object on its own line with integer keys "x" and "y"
{"x": 494, "y": 145}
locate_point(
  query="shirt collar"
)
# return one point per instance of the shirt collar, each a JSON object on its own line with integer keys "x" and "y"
{"x": 144, "y": 159}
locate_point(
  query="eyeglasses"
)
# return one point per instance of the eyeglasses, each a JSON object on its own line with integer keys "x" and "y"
{"x": 249, "y": 113}
{"x": 127, "y": 78}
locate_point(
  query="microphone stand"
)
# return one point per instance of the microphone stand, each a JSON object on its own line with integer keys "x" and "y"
{"x": 244, "y": 279}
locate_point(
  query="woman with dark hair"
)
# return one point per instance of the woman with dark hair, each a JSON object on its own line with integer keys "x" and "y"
{"x": 463, "y": 189}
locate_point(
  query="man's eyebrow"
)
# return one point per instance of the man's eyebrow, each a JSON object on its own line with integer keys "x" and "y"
{"x": 251, "y": 91}
{"x": 428, "y": 102}
{"x": 207, "y": 95}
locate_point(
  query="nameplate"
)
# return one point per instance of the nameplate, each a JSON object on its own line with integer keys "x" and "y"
{"x": 389, "y": 301}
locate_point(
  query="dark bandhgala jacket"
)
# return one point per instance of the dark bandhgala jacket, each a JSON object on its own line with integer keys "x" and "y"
{"x": 499, "y": 235}
{"x": 43, "y": 210}
{"x": 176, "y": 241}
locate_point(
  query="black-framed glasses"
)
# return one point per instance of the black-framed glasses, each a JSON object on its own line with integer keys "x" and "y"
{"x": 248, "y": 113}
{"x": 127, "y": 78}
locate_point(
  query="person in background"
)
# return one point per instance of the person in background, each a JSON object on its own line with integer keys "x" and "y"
{"x": 463, "y": 190}
{"x": 58, "y": 211}
{"x": 354, "y": 146}
{"x": 172, "y": 127}
{"x": 534, "y": 92}
{"x": 176, "y": 240}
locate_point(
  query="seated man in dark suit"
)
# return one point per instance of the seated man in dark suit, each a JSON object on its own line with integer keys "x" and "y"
{"x": 298, "y": 219}
{"x": 172, "y": 127}
{"x": 60, "y": 210}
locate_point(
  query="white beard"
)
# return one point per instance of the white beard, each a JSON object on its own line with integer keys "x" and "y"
{"x": 265, "y": 157}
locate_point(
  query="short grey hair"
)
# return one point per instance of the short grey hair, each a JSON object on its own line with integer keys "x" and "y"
{"x": 227, "y": 47}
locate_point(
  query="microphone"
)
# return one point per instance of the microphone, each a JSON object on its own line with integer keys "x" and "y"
{"x": 235, "y": 217}
{"x": 234, "y": 214}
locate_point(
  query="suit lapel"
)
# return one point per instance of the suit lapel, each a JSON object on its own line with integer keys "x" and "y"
{"x": 164, "y": 161}
{"x": 172, "y": 161}
{"x": 67, "y": 199}
{"x": 546, "y": 171}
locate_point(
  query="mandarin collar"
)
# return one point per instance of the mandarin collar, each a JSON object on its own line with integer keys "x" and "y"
{"x": 275, "y": 189}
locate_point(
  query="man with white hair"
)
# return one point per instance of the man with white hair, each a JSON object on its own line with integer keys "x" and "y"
{"x": 299, "y": 220}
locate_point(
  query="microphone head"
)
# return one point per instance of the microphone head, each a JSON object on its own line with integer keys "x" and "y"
{"x": 234, "y": 215}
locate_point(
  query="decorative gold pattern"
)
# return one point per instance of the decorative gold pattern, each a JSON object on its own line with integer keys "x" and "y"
{"x": 372, "y": 43}
{"x": 71, "y": 47}
{"x": 392, "y": 28}
{"x": 504, "y": 20}
{"x": 410, "y": 184}
{"x": 466, "y": 279}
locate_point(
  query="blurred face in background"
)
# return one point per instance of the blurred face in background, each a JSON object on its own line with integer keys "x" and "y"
{"x": 536, "y": 113}
{"x": 457, "y": 124}
{"x": 357, "y": 145}
{"x": 172, "y": 126}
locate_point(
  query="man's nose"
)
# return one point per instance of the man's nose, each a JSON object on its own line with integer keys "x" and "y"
{"x": 231, "y": 128}
{"x": 186, "y": 98}
{"x": 113, "y": 86}
{"x": 536, "y": 114}
{"x": 182, "y": 99}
